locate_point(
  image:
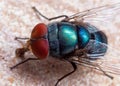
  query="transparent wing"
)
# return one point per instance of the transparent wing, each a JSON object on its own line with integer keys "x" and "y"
{"x": 108, "y": 62}
{"x": 96, "y": 49}
{"x": 91, "y": 28}
{"x": 101, "y": 13}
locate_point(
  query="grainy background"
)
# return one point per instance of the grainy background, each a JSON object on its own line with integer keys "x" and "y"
{"x": 18, "y": 19}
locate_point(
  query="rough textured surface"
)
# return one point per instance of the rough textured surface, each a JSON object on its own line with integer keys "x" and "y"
{"x": 18, "y": 19}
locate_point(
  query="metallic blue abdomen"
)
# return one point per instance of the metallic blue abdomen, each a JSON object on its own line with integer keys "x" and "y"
{"x": 83, "y": 36}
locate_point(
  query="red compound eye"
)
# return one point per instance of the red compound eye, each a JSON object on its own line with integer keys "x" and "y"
{"x": 39, "y": 46}
{"x": 39, "y": 31}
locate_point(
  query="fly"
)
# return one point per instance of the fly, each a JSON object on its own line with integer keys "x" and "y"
{"x": 73, "y": 40}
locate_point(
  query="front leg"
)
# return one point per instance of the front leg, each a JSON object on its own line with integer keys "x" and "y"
{"x": 24, "y": 61}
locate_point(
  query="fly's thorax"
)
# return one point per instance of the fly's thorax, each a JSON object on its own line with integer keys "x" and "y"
{"x": 62, "y": 38}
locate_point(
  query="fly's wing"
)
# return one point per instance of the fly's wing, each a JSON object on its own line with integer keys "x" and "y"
{"x": 108, "y": 62}
{"x": 102, "y": 13}
{"x": 96, "y": 49}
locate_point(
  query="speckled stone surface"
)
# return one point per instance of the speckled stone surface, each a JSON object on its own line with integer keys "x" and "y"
{"x": 18, "y": 19}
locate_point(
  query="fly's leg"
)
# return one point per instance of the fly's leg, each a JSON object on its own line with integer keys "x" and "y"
{"x": 49, "y": 19}
{"x": 26, "y": 60}
{"x": 82, "y": 59}
{"x": 97, "y": 67}
{"x": 25, "y": 47}
{"x": 21, "y": 51}
{"x": 92, "y": 65}
{"x": 17, "y": 38}
{"x": 111, "y": 77}
{"x": 74, "y": 69}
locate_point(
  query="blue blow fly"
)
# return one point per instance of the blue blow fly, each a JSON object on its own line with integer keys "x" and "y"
{"x": 74, "y": 40}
